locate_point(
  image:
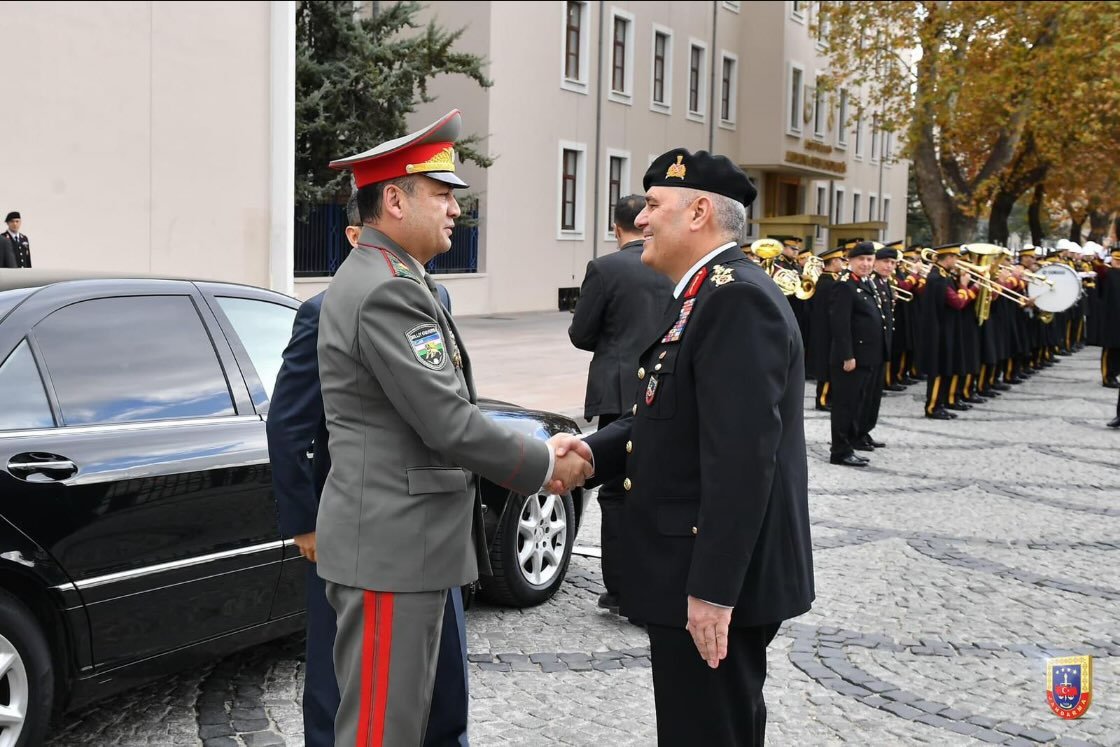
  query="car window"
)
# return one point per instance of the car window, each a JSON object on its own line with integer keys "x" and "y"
{"x": 24, "y": 399}
{"x": 264, "y": 329}
{"x": 116, "y": 360}
{"x": 9, "y": 299}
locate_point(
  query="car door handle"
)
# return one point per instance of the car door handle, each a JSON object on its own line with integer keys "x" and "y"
{"x": 50, "y": 466}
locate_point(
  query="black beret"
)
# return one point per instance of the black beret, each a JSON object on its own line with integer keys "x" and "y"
{"x": 12, "y": 216}
{"x": 862, "y": 249}
{"x": 886, "y": 253}
{"x": 701, "y": 170}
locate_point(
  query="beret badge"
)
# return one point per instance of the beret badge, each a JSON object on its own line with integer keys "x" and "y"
{"x": 676, "y": 170}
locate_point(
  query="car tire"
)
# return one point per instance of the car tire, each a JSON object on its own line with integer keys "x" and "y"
{"x": 27, "y": 684}
{"x": 531, "y": 549}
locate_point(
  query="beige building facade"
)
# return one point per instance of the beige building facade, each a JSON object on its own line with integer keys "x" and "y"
{"x": 158, "y": 136}
{"x": 586, "y": 94}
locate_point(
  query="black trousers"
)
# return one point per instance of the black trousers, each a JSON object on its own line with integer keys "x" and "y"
{"x": 937, "y": 389}
{"x": 698, "y": 705}
{"x": 869, "y": 417}
{"x": 611, "y": 499}
{"x": 320, "y": 688}
{"x": 1110, "y": 364}
{"x": 850, "y": 391}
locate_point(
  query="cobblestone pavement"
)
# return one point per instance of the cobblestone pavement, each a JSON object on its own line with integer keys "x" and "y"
{"x": 947, "y": 572}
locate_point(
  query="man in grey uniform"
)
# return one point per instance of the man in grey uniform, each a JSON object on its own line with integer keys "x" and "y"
{"x": 399, "y": 521}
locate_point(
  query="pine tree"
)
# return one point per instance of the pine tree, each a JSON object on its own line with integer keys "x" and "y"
{"x": 357, "y": 79}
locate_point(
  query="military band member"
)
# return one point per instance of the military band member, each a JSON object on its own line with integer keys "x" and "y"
{"x": 858, "y": 350}
{"x": 907, "y": 327}
{"x": 880, "y": 283}
{"x": 1108, "y": 286}
{"x": 820, "y": 334}
{"x": 944, "y": 299}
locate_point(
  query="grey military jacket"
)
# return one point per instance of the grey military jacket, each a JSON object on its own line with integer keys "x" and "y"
{"x": 399, "y": 510}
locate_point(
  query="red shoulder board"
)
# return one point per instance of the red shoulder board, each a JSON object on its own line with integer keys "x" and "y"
{"x": 697, "y": 281}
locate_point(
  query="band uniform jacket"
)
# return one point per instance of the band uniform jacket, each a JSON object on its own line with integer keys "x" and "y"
{"x": 296, "y": 426}
{"x": 884, "y": 295}
{"x": 940, "y": 312}
{"x": 619, "y": 305}
{"x": 400, "y": 511}
{"x": 1108, "y": 285}
{"x": 713, "y": 456}
{"x": 856, "y": 322}
{"x": 820, "y": 334}
{"x": 17, "y": 251}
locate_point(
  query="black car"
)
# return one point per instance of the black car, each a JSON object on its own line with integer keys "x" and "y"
{"x": 138, "y": 531}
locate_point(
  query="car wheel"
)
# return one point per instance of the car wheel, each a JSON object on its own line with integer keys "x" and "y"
{"x": 531, "y": 549}
{"x": 26, "y": 678}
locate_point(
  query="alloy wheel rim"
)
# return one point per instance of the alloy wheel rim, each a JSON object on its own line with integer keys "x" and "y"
{"x": 13, "y": 693}
{"x": 542, "y": 537}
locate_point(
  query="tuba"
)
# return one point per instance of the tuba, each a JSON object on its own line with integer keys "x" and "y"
{"x": 767, "y": 250}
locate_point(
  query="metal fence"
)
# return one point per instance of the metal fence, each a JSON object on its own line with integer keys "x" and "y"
{"x": 320, "y": 243}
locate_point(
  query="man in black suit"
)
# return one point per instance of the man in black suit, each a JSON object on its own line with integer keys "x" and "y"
{"x": 620, "y": 304}
{"x": 15, "y": 249}
{"x": 716, "y": 527}
{"x": 856, "y": 354}
{"x": 296, "y": 425}
{"x": 883, "y": 270}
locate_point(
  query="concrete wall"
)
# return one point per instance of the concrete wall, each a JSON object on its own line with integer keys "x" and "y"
{"x": 140, "y": 141}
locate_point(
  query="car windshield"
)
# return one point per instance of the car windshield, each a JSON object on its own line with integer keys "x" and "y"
{"x": 9, "y": 299}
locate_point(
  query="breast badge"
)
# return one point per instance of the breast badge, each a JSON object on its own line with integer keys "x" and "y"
{"x": 651, "y": 390}
{"x": 427, "y": 345}
{"x": 1069, "y": 685}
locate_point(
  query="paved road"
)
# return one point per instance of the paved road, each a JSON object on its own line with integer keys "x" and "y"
{"x": 946, "y": 574}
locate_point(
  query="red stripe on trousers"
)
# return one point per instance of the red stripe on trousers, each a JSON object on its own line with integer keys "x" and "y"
{"x": 369, "y": 625}
{"x": 384, "y": 641}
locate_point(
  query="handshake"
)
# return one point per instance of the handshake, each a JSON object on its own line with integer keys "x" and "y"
{"x": 573, "y": 463}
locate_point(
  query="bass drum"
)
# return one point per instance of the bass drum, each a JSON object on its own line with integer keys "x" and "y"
{"x": 1064, "y": 292}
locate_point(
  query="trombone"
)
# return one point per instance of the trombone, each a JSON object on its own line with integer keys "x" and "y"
{"x": 980, "y": 276}
{"x": 901, "y": 293}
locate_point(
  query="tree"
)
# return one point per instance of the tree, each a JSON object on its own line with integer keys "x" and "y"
{"x": 975, "y": 87}
{"x": 358, "y": 79}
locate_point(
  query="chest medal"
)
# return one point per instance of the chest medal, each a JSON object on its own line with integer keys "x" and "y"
{"x": 651, "y": 389}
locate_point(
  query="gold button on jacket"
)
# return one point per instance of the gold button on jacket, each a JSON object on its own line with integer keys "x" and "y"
{"x": 626, "y": 483}
{"x": 629, "y": 446}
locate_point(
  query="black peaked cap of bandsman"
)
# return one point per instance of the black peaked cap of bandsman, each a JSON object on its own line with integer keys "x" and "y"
{"x": 702, "y": 171}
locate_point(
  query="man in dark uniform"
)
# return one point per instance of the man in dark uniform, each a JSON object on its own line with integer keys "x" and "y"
{"x": 717, "y": 524}
{"x": 15, "y": 249}
{"x": 882, "y": 272}
{"x": 1108, "y": 290}
{"x": 857, "y": 352}
{"x": 942, "y": 303}
{"x": 619, "y": 305}
{"x": 820, "y": 336}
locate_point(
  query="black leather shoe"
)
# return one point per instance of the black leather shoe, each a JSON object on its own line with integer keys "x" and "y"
{"x": 861, "y": 446}
{"x": 907, "y": 381}
{"x": 941, "y": 414}
{"x": 959, "y": 406}
{"x": 975, "y": 399}
{"x": 1000, "y": 386}
{"x": 1115, "y": 422}
{"x": 609, "y": 602}
{"x": 826, "y": 408}
{"x": 1111, "y": 384}
{"x": 894, "y": 388}
{"x": 851, "y": 460}
{"x": 872, "y": 442}
{"x": 1014, "y": 380}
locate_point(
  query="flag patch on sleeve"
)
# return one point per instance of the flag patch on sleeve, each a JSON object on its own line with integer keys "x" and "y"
{"x": 427, "y": 345}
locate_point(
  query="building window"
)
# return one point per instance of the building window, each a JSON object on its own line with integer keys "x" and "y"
{"x": 729, "y": 84}
{"x": 751, "y": 226}
{"x": 822, "y": 27}
{"x": 575, "y": 64}
{"x": 874, "y": 138}
{"x": 872, "y": 203}
{"x": 570, "y": 219}
{"x": 618, "y": 183}
{"x": 819, "y": 112}
{"x": 622, "y": 56}
{"x": 887, "y": 211}
{"x": 822, "y": 208}
{"x": 888, "y": 143}
{"x": 842, "y": 128}
{"x": 839, "y": 206}
{"x": 662, "y": 69}
{"x": 859, "y": 136}
{"x": 797, "y": 10}
{"x": 855, "y": 206}
{"x": 796, "y": 75}
{"x": 697, "y": 62}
